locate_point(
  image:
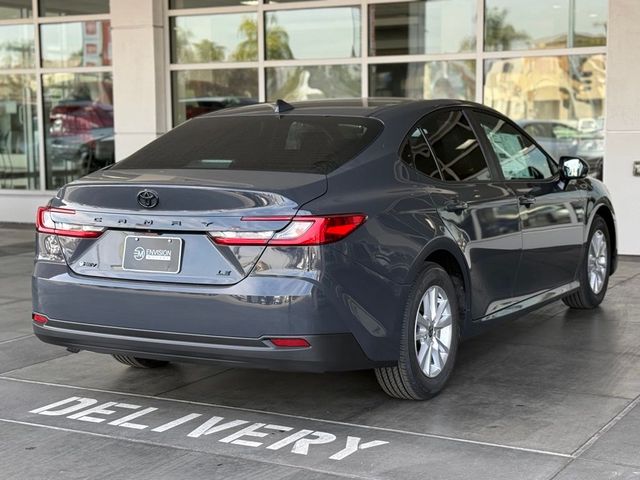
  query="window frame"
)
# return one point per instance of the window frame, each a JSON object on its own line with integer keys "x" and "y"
{"x": 472, "y": 113}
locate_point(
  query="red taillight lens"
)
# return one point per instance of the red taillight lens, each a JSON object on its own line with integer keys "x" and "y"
{"x": 45, "y": 224}
{"x": 302, "y": 230}
{"x": 290, "y": 342}
{"x": 40, "y": 319}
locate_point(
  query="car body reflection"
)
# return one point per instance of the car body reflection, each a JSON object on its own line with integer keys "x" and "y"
{"x": 80, "y": 138}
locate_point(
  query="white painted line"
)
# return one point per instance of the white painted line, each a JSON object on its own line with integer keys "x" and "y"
{"x": 301, "y": 417}
{"x": 177, "y": 447}
{"x": 608, "y": 426}
{"x": 16, "y": 338}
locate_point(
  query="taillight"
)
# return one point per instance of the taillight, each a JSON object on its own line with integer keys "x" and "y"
{"x": 45, "y": 224}
{"x": 40, "y": 319}
{"x": 301, "y": 230}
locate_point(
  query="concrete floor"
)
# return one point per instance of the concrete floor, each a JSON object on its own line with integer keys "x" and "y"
{"x": 553, "y": 395}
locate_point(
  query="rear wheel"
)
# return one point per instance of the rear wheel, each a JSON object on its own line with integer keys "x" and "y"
{"x": 429, "y": 343}
{"x": 594, "y": 271}
{"x": 138, "y": 362}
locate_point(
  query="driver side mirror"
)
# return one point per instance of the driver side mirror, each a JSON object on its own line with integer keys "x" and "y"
{"x": 572, "y": 168}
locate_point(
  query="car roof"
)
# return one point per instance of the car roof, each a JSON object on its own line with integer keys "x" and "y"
{"x": 378, "y": 107}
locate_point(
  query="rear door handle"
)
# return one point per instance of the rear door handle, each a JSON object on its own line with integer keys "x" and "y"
{"x": 526, "y": 200}
{"x": 456, "y": 206}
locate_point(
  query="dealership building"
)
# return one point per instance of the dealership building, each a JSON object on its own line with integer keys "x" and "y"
{"x": 84, "y": 83}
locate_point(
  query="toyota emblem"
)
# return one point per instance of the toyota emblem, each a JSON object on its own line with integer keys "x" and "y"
{"x": 148, "y": 198}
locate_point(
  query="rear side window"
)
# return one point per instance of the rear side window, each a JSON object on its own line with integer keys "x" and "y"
{"x": 455, "y": 146}
{"x": 291, "y": 143}
{"x": 416, "y": 152}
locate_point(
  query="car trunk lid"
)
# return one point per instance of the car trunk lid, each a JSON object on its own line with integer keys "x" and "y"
{"x": 173, "y": 233}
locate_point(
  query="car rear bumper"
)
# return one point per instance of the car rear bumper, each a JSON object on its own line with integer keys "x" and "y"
{"x": 327, "y": 352}
{"x": 222, "y": 324}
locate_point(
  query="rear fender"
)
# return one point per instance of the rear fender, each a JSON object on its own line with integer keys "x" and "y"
{"x": 445, "y": 244}
{"x": 604, "y": 209}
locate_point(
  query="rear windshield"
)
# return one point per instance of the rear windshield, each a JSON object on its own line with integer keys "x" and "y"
{"x": 289, "y": 143}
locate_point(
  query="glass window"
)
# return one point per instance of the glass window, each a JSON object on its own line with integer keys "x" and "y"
{"x": 78, "y": 124}
{"x": 214, "y": 38}
{"x": 519, "y": 158}
{"x": 455, "y": 146}
{"x": 313, "y": 33}
{"x": 416, "y": 152}
{"x": 422, "y": 27}
{"x": 11, "y": 9}
{"x": 19, "y": 165}
{"x": 77, "y": 44}
{"x": 56, "y": 8}
{"x": 445, "y": 79}
{"x": 291, "y": 143}
{"x": 175, "y": 4}
{"x": 564, "y": 88}
{"x": 515, "y": 25}
{"x": 196, "y": 92}
{"x": 17, "y": 46}
{"x": 309, "y": 83}
{"x": 590, "y": 23}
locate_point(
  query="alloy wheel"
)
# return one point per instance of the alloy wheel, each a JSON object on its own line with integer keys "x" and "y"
{"x": 433, "y": 331}
{"x": 597, "y": 261}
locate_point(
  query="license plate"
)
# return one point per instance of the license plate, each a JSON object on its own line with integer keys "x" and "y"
{"x": 152, "y": 254}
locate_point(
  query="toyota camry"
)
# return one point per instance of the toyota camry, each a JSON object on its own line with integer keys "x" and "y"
{"x": 321, "y": 236}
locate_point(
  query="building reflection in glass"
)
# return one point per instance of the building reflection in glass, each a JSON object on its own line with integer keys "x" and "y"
{"x": 559, "y": 100}
{"x": 78, "y": 125}
{"x": 19, "y": 159}
{"x": 443, "y": 79}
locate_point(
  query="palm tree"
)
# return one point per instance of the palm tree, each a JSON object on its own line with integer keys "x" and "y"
{"x": 277, "y": 42}
{"x": 499, "y": 35}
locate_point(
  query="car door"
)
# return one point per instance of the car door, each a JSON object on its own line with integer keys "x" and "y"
{"x": 551, "y": 214}
{"x": 479, "y": 212}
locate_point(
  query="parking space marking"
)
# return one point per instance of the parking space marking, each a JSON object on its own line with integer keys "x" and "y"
{"x": 16, "y": 338}
{"x": 299, "y": 417}
{"x": 178, "y": 447}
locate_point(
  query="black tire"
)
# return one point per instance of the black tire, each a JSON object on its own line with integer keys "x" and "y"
{"x": 138, "y": 362}
{"x": 407, "y": 380}
{"x": 585, "y": 298}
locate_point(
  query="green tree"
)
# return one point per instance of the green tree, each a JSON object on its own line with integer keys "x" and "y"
{"x": 203, "y": 51}
{"x": 277, "y": 42}
{"x": 208, "y": 51}
{"x": 500, "y": 35}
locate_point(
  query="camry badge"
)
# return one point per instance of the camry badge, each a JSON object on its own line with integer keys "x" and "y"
{"x": 148, "y": 198}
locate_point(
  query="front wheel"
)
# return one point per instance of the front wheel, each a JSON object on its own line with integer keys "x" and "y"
{"x": 429, "y": 341}
{"x": 594, "y": 271}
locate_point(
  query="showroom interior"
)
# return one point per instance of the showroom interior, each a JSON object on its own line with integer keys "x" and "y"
{"x": 85, "y": 83}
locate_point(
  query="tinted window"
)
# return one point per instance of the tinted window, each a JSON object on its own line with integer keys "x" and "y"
{"x": 416, "y": 152}
{"x": 455, "y": 146}
{"x": 518, "y": 156}
{"x": 293, "y": 143}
